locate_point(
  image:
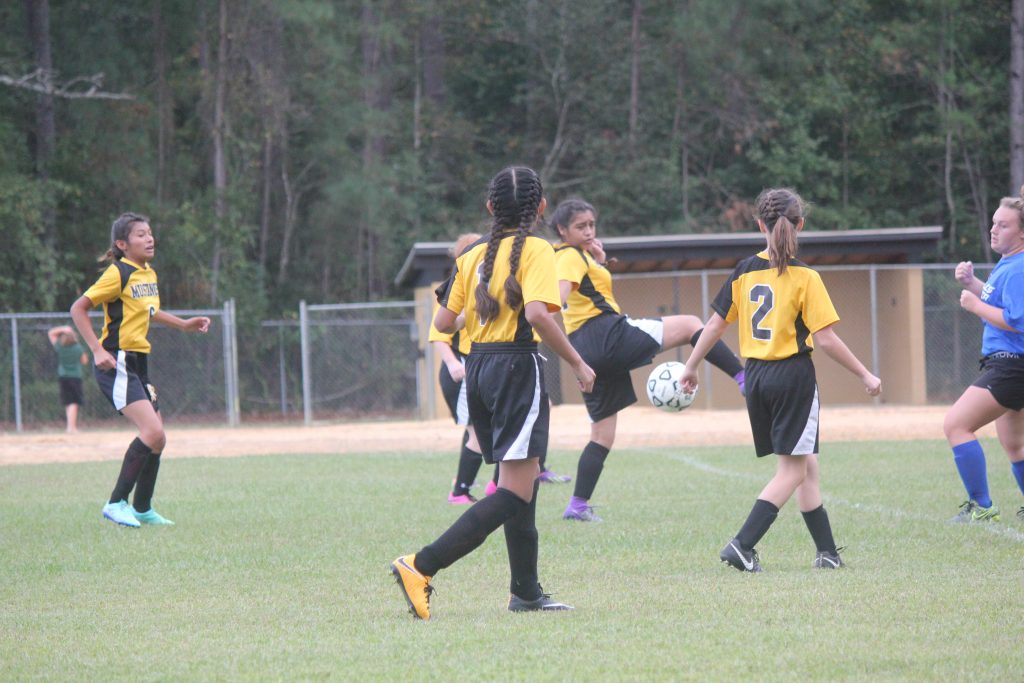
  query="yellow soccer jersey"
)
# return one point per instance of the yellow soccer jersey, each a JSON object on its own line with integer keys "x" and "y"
{"x": 536, "y": 277}
{"x": 591, "y": 293}
{"x": 777, "y": 314}
{"x": 130, "y": 297}
{"x": 459, "y": 342}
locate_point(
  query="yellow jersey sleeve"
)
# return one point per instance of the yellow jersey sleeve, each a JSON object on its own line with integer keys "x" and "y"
{"x": 537, "y": 267}
{"x": 569, "y": 266}
{"x": 436, "y": 335}
{"x": 818, "y": 311}
{"x": 107, "y": 288}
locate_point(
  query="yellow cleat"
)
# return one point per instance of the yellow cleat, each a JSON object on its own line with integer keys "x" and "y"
{"x": 415, "y": 586}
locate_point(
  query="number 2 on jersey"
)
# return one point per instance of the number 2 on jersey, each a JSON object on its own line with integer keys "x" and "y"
{"x": 765, "y": 297}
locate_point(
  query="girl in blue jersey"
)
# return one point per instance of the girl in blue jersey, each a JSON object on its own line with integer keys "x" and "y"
{"x": 998, "y": 393}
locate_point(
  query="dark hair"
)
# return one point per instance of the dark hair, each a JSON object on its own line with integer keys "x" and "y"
{"x": 1017, "y": 204}
{"x": 119, "y": 231}
{"x": 566, "y": 211}
{"x": 780, "y": 209}
{"x": 515, "y": 195}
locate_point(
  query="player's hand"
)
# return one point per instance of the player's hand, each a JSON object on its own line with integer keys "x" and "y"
{"x": 872, "y": 384}
{"x": 585, "y": 376}
{"x": 457, "y": 370}
{"x": 964, "y": 273}
{"x": 103, "y": 359}
{"x": 689, "y": 379}
{"x": 596, "y": 249}
{"x": 198, "y": 324}
{"x": 968, "y": 300}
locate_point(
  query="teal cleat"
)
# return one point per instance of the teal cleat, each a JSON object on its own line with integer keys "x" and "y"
{"x": 121, "y": 513}
{"x": 153, "y": 517}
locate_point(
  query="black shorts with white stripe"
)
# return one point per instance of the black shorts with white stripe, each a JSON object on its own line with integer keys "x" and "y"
{"x": 508, "y": 405}
{"x": 454, "y": 395}
{"x": 128, "y": 381}
{"x": 782, "y": 402}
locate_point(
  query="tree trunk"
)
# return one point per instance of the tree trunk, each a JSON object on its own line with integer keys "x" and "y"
{"x": 164, "y": 106}
{"x": 38, "y": 14}
{"x": 945, "y": 113}
{"x": 634, "y": 77}
{"x": 1017, "y": 98}
{"x": 220, "y": 174}
{"x": 373, "y": 141}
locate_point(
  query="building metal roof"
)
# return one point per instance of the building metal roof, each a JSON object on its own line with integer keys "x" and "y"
{"x": 429, "y": 262}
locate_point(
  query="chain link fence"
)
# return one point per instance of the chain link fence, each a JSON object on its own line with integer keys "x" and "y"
{"x": 343, "y": 361}
{"x": 193, "y": 373}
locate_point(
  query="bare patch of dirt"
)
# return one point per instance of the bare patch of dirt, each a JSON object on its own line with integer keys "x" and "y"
{"x": 638, "y": 426}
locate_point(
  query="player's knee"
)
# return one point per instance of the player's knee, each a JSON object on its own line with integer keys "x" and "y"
{"x": 156, "y": 439}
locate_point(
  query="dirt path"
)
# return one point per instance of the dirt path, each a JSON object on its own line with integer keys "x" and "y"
{"x": 638, "y": 427}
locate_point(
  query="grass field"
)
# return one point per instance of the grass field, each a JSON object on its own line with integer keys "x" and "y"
{"x": 276, "y": 570}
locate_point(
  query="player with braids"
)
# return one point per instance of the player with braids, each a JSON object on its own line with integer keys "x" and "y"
{"x": 128, "y": 291}
{"x": 784, "y": 312}
{"x": 998, "y": 393}
{"x": 502, "y": 293}
{"x": 609, "y": 341}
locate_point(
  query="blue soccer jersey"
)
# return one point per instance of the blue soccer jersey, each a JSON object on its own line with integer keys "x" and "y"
{"x": 1005, "y": 289}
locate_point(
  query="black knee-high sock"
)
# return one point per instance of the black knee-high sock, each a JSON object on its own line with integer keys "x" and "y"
{"x": 134, "y": 459}
{"x": 821, "y": 531}
{"x": 761, "y": 517}
{"x": 495, "y": 477}
{"x": 588, "y": 471}
{"x": 146, "y": 483}
{"x": 468, "y": 531}
{"x": 521, "y": 539}
{"x": 720, "y": 355}
{"x": 469, "y": 466}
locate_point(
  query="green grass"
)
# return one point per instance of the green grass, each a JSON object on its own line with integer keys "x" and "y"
{"x": 277, "y": 570}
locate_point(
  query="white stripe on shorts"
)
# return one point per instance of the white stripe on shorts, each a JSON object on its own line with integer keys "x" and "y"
{"x": 462, "y": 403}
{"x": 654, "y": 328}
{"x": 120, "y": 393}
{"x": 805, "y": 446}
{"x": 519, "y": 450}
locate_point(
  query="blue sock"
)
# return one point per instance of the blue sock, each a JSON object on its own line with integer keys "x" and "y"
{"x": 1018, "y": 473}
{"x": 970, "y": 462}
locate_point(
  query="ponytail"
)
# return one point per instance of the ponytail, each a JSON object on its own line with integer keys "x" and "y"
{"x": 781, "y": 211}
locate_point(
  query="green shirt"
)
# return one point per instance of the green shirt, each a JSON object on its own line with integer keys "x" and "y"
{"x": 69, "y": 359}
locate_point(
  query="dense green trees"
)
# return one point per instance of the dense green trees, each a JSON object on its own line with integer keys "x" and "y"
{"x": 296, "y": 148}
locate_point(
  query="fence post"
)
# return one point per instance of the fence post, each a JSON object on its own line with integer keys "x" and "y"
{"x": 225, "y": 335}
{"x": 875, "y": 353}
{"x": 16, "y": 373}
{"x": 705, "y": 305}
{"x": 307, "y": 389}
{"x": 236, "y": 403}
{"x": 281, "y": 372}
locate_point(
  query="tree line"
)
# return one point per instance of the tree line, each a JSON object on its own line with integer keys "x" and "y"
{"x": 295, "y": 149}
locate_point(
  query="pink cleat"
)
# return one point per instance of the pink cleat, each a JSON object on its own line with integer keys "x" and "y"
{"x": 490, "y": 488}
{"x": 464, "y": 499}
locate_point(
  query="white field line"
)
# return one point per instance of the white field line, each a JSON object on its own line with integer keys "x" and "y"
{"x": 996, "y": 528}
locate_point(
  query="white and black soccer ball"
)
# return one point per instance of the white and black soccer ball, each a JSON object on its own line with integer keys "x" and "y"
{"x": 665, "y": 388}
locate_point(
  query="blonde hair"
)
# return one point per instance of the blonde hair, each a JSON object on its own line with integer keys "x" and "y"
{"x": 1017, "y": 204}
{"x": 463, "y": 242}
{"x": 780, "y": 209}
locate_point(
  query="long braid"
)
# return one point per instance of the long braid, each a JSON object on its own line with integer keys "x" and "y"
{"x": 487, "y": 305}
{"x": 529, "y": 193}
{"x": 780, "y": 210}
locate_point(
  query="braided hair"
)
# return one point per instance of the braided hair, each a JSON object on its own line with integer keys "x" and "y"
{"x": 120, "y": 230}
{"x": 780, "y": 209}
{"x": 1017, "y": 204}
{"x": 514, "y": 195}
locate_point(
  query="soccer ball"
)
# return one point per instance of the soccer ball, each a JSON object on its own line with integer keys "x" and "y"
{"x": 665, "y": 390}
